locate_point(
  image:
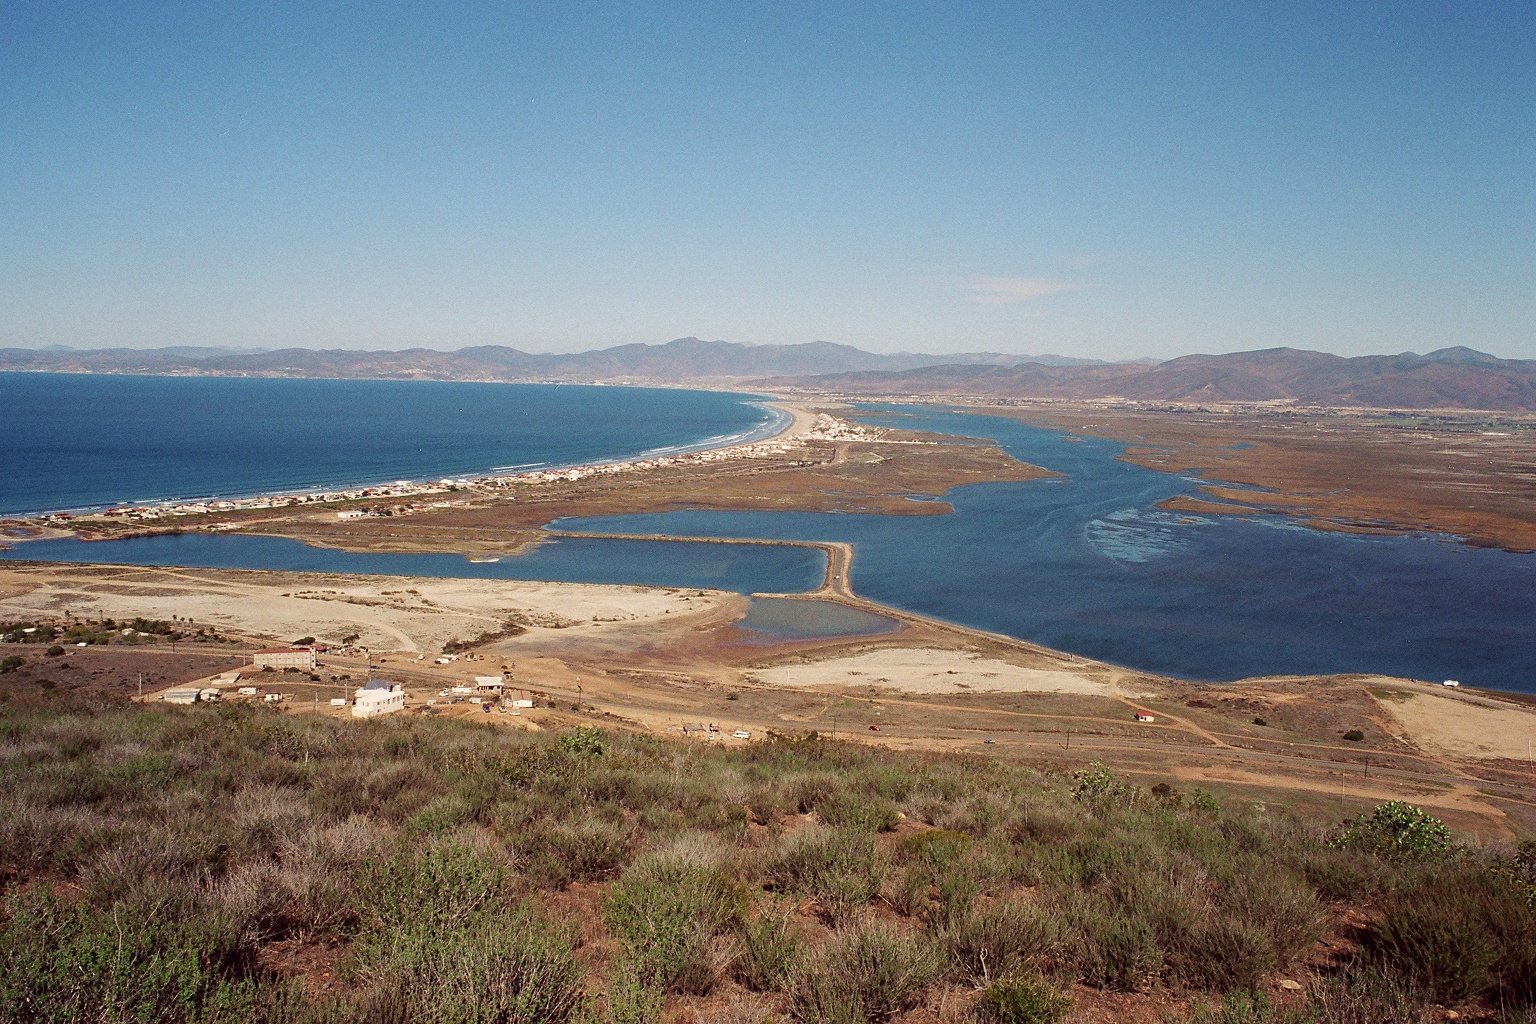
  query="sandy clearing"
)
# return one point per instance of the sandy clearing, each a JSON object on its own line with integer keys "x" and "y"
{"x": 1461, "y": 728}
{"x": 398, "y": 613}
{"x": 927, "y": 670}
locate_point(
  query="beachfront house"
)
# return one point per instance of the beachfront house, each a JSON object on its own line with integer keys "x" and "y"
{"x": 378, "y": 697}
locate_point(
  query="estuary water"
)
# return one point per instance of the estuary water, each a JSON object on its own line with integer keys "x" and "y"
{"x": 76, "y": 441}
{"x": 743, "y": 568}
{"x": 1084, "y": 562}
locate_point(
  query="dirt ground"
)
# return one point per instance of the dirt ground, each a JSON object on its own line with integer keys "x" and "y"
{"x": 928, "y": 670}
{"x": 1465, "y": 727}
{"x": 673, "y": 662}
{"x": 397, "y": 613}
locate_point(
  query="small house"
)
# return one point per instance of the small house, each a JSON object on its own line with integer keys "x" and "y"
{"x": 489, "y": 684}
{"x": 1451, "y": 682}
{"x": 179, "y": 696}
{"x": 378, "y": 697}
{"x": 1142, "y": 716}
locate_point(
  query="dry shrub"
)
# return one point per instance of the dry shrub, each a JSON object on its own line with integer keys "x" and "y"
{"x": 1005, "y": 938}
{"x": 865, "y": 974}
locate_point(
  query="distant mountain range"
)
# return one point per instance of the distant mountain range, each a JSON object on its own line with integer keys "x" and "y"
{"x": 1451, "y": 378}
{"x": 1454, "y": 378}
{"x": 686, "y": 360}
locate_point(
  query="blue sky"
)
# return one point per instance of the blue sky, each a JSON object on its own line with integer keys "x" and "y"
{"x": 1093, "y": 179}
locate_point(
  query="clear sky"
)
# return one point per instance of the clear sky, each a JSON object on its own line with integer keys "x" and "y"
{"x": 1092, "y": 179}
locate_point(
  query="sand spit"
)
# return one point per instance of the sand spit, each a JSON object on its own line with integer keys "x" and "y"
{"x": 928, "y": 670}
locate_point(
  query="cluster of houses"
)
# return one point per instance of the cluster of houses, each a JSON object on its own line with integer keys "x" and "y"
{"x": 153, "y": 511}
{"x": 825, "y": 428}
{"x": 374, "y": 698}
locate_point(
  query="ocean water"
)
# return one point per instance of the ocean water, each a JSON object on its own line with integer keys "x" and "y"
{"x": 77, "y": 441}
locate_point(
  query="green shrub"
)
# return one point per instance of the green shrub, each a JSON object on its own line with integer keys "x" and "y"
{"x": 510, "y": 969}
{"x": 837, "y": 867}
{"x": 850, "y": 810}
{"x": 1397, "y": 830}
{"x": 666, "y": 911}
{"x": 1097, "y": 784}
{"x": 1248, "y": 1007}
{"x": 67, "y": 961}
{"x": 629, "y": 999}
{"x": 1113, "y": 949}
{"x": 10, "y": 663}
{"x": 1354, "y": 735}
{"x": 863, "y": 975}
{"x": 769, "y": 953}
{"x": 442, "y": 884}
{"x": 1021, "y": 1001}
{"x": 946, "y": 871}
{"x": 585, "y": 850}
{"x": 1002, "y": 939}
{"x": 1465, "y": 935}
{"x": 1519, "y": 871}
{"x": 583, "y": 741}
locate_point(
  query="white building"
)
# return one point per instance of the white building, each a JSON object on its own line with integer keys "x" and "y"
{"x": 378, "y": 697}
{"x": 285, "y": 657}
{"x": 179, "y": 696}
{"x": 489, "y": 684}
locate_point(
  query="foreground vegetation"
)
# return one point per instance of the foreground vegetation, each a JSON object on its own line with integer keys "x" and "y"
{"x": 232, "y": 863}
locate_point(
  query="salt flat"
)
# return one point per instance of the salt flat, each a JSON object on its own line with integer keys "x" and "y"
{"x": 928, "y": 670}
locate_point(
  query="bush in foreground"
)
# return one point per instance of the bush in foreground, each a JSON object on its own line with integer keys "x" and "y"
{"x": 180, "y": 865}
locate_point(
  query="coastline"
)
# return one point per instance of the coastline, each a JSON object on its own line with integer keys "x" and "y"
{"x": 786, "y": 423}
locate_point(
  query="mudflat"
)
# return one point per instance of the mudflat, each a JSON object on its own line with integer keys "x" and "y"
{"x": 1472, "y": 475}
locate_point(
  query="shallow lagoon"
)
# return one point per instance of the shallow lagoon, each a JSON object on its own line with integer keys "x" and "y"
{"x": 775, "y": 619}
{"x": 739, "y": 567}
{"x": 1086, "y": 563}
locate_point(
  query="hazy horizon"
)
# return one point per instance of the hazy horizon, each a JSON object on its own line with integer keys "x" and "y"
{"x": 603, "y": 347}
{"x": 1118, "y": 181}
